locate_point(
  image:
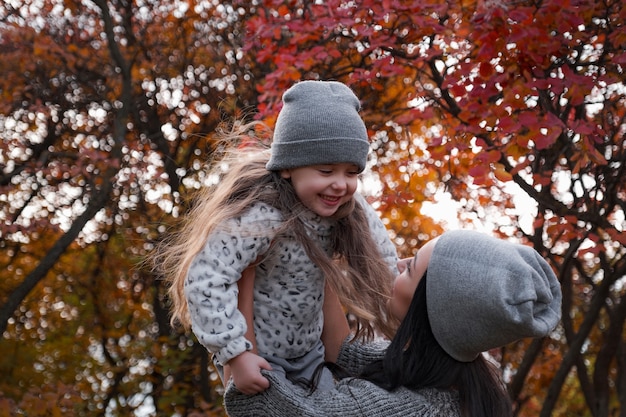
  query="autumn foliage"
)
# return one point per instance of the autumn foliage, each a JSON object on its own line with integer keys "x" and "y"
{"x": 107, "y": 112}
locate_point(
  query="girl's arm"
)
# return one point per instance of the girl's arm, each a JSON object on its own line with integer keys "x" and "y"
{"x": 211, "y": 285}
{"x": 245, "y": 301}
{"x": 246, "y": 368}
{"x": 336, "y": 327}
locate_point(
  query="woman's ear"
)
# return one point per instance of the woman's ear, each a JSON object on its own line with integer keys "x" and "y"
{"x": 285, "y": 173}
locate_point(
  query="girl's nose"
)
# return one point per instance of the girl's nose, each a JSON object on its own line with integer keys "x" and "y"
{"x": 340, "y": 182}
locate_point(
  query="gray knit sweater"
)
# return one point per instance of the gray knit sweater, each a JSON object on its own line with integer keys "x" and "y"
{"x": 351, "y": 397}
{"x": 288, "y": 287}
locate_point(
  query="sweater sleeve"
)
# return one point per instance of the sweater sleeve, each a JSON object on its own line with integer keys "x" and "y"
{"x": 351, "y": 397}
{"x": 211, "y": 288}
{"x": 380, "y": 234}
{"x": 355, "y": 355}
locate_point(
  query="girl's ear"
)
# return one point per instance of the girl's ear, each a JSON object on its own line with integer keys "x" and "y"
{"x": 285, "y": 173}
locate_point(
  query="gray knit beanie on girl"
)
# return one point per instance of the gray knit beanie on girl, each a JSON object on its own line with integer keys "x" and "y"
{"x": 483, "y": 293}
{"x": 319, "y": 124}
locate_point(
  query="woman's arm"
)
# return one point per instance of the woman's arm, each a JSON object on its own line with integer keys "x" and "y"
{"x": 352, "y": 397}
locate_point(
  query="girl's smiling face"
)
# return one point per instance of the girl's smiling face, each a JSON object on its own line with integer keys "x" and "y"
{"x": 411, "y": 272}
{"x": 324, "y": 188}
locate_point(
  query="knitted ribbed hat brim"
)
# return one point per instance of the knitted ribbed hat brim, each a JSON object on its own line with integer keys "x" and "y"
{"x": 319, "y": 124}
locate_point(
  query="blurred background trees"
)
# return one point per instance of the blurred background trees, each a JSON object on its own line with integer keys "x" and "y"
{"x": 515, "y": 110}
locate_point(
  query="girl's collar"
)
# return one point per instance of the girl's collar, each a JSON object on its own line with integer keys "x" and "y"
{"x": 315, "y": 222}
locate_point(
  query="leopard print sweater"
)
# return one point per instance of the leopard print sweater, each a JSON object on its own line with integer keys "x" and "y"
{"x": 288, "y": 287}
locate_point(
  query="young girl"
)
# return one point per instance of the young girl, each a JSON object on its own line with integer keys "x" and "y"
{"x": 462, "y": 294}
{"x": 292, "y": 219}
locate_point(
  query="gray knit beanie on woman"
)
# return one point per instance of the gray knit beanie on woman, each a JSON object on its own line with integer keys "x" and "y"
{"x": 483, "y": 293}
{"x": 319, "y": 124}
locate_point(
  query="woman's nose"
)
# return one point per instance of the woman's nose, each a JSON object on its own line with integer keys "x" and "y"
{"x": 402, "y": 264}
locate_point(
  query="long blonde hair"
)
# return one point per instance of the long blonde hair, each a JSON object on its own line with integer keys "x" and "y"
{"x": 356, "y": 270}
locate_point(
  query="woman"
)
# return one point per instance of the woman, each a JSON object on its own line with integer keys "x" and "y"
{"x": 462, "y": 294}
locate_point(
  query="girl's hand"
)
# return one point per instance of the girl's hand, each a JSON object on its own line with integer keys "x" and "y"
{"x": 246, "y": 373}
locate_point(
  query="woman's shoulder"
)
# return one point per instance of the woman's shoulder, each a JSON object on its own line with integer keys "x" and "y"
{"x": 354, "y": 355}
{"x": 440, "y": 402}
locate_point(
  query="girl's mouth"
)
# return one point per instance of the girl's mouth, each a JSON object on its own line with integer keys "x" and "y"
{"x": 330, "y": 199}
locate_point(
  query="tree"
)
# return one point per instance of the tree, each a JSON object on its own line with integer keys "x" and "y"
{"x": 471, "y": 97}
{"x": 107, "y": 107}
{"x": 106, "y": 119}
